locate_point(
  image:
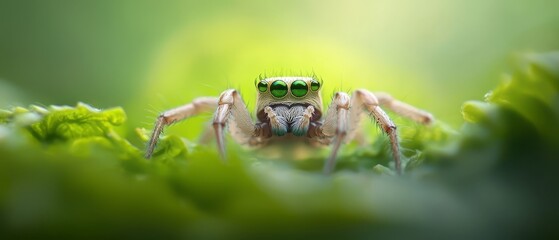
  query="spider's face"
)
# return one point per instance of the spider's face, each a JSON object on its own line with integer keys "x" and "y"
{"x": 288, "y": 91}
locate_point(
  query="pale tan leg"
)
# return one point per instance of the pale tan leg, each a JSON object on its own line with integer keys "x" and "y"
{"x": 345, "y": 112}
{"x": 371, "y": 102}
{"x": 363, "y": 99}
{"x": 403, "y": 109}
{"x": 336, "y": 126}
{"x": 232, "y": 107}
{"x": 198, "y": 105}
{"x": 207, "y": 134}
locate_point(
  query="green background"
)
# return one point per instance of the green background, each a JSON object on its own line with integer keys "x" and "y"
{"x": 486, "y": 170}
{"x": 149, "y": 56}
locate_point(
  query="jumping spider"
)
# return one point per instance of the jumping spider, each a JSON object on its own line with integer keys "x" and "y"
{"x": 291, "y": 107}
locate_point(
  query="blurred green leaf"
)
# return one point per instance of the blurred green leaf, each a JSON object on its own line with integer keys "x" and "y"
{"x": 68, "y": 123}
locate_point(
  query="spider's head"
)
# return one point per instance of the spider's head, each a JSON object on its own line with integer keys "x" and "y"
{"x": 288, "y": 91}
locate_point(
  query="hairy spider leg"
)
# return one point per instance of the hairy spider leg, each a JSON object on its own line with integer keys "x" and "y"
{"x": 197, "y": 106}
{"x": 336, "y": 126}
{"x": 232, "y": 110}
{"x": 344, "y": 113}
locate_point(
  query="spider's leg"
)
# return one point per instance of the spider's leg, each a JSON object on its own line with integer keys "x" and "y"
{"x": 365, "y": 100}
{"x": 232, "y": 110}
{"x": 197, "y": 106}
{"x": 207, "y": 134}
{"x": 403, "y": 109}
{"x": 336, "y": 126}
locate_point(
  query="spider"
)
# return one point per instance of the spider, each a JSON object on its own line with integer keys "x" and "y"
{"x": 291, "y": 108}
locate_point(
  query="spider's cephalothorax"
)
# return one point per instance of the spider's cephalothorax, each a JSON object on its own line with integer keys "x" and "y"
{"x": 288, "y": 104}
{"x": 292, "y": 106}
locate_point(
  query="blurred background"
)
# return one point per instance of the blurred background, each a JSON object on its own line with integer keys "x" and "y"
{"x": 148, "y": 56}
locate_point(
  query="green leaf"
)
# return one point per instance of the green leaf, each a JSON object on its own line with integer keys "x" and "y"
{"x": 532, "y": 92}
{"x": 67, "y": 123}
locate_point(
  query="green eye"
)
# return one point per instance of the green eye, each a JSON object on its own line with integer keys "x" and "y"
{"x": 278, "y": 89}
{"x": 262, "y": 86}
{"x": 315, "y": 85}
{"x": 299, "y": 88}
